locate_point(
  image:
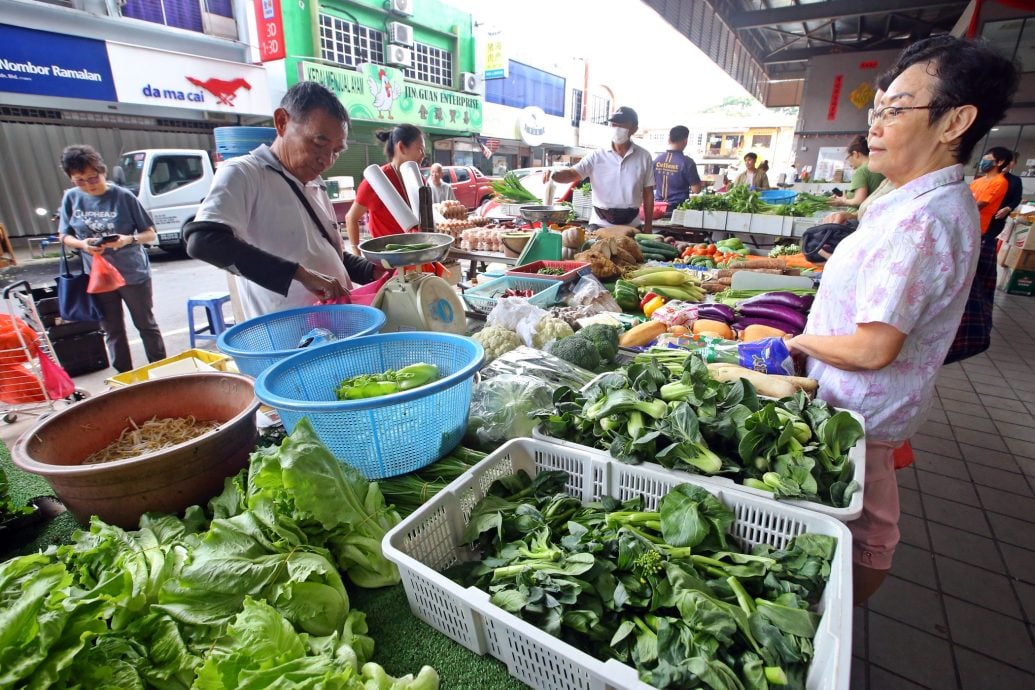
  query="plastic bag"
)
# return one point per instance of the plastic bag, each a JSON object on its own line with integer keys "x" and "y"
{"x": 528, "y": 361}
{"x": 18, "y": 342}
{"x": 589, "y": 290}
{"x": 504, "y": 407}
{"x": 518, "y": 315}
{"x": 767, "y": 356}
{"x": 103, "y": 276}
{"x": 675, "y": 313}
{"x": 56, "y": 380}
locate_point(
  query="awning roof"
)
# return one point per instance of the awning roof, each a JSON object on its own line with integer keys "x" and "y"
{"x": 758, "y": 41}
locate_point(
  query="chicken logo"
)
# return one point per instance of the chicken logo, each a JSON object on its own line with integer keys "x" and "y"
{"x": 224, "y": 91}
{"x": 384, "y": 93}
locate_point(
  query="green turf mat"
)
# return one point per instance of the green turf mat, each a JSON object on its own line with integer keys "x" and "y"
{"x": 23, "y": 487}
{"x": 404, "y": 643}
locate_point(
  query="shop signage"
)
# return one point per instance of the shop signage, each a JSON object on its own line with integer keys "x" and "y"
{"x": 492, "y": 53}
{"x": 378, "y": 93}
{"x": 48, "y": 64}
{"x": 835, "y": 97}
{"x": 532, "y": 125}
{"x": 155, "y": 77}
{"x": 270, "y": 23}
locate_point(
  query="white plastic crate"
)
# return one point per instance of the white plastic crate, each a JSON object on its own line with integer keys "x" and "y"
{"x": 857, "y": 455}
{"x": 428, "y": 541}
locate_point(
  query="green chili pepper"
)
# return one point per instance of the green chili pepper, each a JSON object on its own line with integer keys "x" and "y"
{"x": 416, "y": 375}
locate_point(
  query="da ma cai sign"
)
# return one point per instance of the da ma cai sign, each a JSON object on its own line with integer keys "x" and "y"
{"x": 378, "y": 93}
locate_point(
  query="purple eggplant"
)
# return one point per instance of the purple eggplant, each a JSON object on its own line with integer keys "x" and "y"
{"x": 779, "y": 324}
{"x": 716, "y": 312}
{"x": 777, "y": 312}
{"x": 786, "y": 299}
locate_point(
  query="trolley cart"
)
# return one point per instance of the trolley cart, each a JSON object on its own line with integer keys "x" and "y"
{"x": 23, "y": 388}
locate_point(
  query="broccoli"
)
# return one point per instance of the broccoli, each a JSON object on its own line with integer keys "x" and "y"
{"x": 577, "y": 350}
{"x": 605, "y": 338}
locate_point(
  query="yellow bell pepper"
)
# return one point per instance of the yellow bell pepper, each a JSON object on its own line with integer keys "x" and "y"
{"x": 650, "y": 307}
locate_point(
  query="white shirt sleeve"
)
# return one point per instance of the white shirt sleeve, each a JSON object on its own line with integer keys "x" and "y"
{"x": 230, "y": 199}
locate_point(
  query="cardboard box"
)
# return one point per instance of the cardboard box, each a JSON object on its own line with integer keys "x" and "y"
{"x": 1017, "y": 282}
{"x": 1021, "y": 259}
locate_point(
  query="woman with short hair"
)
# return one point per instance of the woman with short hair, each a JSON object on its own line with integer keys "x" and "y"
{"x": 102, "y": 219}
{"x": 894, "y": 291}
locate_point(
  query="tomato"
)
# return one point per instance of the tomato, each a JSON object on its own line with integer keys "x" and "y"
{"x": 712, "y": 249}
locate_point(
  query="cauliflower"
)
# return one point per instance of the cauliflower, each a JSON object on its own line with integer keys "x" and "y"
{"x": 548, "y": 329}
{"x": 496, "y": 340}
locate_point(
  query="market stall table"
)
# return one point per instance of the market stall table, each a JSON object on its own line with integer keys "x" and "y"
{"x": 482, "y": 258}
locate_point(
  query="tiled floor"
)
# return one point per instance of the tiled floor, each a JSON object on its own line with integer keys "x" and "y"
{"x": 958, "y": 610}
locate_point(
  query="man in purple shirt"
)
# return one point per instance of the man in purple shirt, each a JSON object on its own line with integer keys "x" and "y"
{"x": 675, "y": 175}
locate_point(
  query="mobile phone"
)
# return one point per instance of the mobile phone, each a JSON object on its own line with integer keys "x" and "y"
{"x": 107, "y": 239}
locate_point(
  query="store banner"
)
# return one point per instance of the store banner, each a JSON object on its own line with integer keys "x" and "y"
{"x": 175, "y": 80}
{"x": 270, "y": 23}
{"x": 493, "y": 60}
{"x": 48, "y": 64}
{"x": 378, "y": 93}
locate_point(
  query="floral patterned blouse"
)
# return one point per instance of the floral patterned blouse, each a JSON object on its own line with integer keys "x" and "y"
{"x": 909, "y": 265}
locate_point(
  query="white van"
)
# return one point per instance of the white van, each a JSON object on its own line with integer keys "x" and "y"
{"x": 171, "y": 184}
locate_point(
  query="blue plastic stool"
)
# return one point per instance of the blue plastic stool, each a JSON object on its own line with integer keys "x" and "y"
{"x": 212, "y": 303}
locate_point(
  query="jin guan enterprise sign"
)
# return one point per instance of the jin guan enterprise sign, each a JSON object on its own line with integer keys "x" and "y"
{"x": 378, "y": 93}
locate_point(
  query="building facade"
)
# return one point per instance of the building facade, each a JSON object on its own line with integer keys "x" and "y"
{"x": 118, "y": 76}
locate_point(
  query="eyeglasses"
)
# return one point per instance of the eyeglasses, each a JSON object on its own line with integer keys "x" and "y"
{"x": 888, "y": 114}
{"x": 87, "y": 181}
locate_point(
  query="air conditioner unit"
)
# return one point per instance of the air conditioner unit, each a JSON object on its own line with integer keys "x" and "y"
{"x": 398, "y": 56}
{"x": 469, "y": 82}
{"x": 400, "y": 34}
{"x": 403, "y": 7}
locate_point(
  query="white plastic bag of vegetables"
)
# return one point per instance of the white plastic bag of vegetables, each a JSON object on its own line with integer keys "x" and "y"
{"x": 504, "y": 407}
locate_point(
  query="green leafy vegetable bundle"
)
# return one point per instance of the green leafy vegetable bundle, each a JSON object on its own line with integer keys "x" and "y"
{"x": 251, "y": 598}
{"x": 511, "y": 189}
{"x": 665, "y": 407}
{"x": 665, "y": 591}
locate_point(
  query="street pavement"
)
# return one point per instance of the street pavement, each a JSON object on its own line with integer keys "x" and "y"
{"x": 174, "y": 279}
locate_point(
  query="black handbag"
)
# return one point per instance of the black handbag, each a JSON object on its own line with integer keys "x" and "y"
{"x": 74, "y": 302}
{"x": 819, "y": 241}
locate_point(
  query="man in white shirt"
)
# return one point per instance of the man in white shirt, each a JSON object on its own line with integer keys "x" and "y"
{"x": 622, "y": 177}
{"x": 267, "y": 218}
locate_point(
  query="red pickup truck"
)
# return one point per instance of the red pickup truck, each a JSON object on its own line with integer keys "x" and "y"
{"x": 470, "y": 186}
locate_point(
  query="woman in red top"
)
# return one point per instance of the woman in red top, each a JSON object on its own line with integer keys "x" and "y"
{"x": 402, "y": 143}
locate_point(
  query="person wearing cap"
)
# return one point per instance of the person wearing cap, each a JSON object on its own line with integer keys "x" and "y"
{"x": 622, "y": 176}
{"x": 675, "y": 174}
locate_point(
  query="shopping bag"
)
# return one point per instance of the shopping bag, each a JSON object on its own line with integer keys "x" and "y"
{"x": 103, "y": 276}
{"x": 74, "y": 303}
{"x": 56, "y": 380}
{"x": 365, "y": 294}
{"x": 18, "y": 342}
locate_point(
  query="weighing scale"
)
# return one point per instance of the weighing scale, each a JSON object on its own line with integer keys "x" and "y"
{"x": 544, "y": 245}
{"x": 413, "y": 300}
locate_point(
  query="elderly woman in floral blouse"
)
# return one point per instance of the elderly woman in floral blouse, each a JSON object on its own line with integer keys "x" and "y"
{"x": 894, "y": 291}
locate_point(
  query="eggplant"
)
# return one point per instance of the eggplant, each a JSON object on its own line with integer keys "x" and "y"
{"x": 716, "y": 312}
{"x": 779, "y": 324}
{"x": 786, "y": 299}
{"x": 774, "y": 311}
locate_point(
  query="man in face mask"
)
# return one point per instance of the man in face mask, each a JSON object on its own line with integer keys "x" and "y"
{"x": 990, "y": 190}
{"x": 622, "y": 177}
